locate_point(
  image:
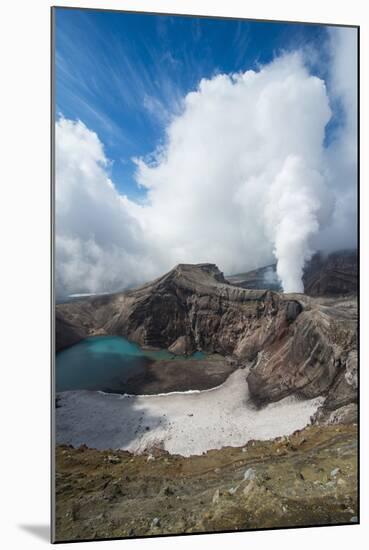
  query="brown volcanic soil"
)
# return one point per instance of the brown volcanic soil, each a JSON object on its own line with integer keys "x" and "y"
{"x": 309, "y": 478}
{"x": 166, "y": 376}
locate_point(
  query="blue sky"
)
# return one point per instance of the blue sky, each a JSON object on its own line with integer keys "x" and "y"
{"x": 124, "y": 75}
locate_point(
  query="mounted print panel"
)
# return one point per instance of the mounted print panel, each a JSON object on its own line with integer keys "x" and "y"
{"x": 205, "y": 280}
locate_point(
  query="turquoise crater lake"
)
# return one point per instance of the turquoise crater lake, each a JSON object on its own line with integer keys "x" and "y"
{"x": 105, "y": 363}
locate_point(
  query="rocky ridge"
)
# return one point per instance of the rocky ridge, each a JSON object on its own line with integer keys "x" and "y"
{"x": 190, "y": 308}
{"x": 296, "y": 344}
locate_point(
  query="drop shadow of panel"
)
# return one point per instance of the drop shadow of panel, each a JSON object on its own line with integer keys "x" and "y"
{"x": 42, "y": 532}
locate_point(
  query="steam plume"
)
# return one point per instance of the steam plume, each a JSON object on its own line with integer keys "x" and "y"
{"x": 294, "y": 215}
{"x": 244, "y": 177}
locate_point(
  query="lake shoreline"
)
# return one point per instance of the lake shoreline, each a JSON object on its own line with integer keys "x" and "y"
{"x": 113, "y": 364}
{"x": 185, "y": 423}
{"x": 180, "y": 375}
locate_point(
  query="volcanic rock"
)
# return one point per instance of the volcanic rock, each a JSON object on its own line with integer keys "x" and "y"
{"x": 295, "y": 344}
{"x": 190, "y": 308}
{"x": 332, "y": 275}
{"x": 315, "y": 356}
{"x": 335, "y": 274}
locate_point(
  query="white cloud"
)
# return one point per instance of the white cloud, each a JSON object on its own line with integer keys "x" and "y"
{"x": 99, "y": 241}
{"x": 297, "y": 207}
{"x": 243, "y": 175}
{"x": 341, "y": 156}
{"x": 209, "y": 191}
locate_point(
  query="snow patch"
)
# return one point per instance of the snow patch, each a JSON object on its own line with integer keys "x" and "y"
{"x": 188, "y": 423}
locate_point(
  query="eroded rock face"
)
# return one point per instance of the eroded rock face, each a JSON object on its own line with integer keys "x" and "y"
{"x": 348, "y": 414}
{"x": 334, "y": 274}
{"x": 67, "y": 333}
{"x": 190, "y": 308}
{"x": 315, "y": 355}
{"x": 340, "y": 405}
{"x": 298, "y": 344}
{"x": 182, "y": 346}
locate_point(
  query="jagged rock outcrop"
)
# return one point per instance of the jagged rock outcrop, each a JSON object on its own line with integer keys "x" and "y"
{"x": 298, "y": 345}
{"x": 182, "y": 346}
{"x": 316, "y": 357}
{"x": 190, "y": 308}
{"x": 340, "y": 405}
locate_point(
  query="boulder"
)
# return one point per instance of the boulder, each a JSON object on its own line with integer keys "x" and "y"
{"x": 183, "y": 345}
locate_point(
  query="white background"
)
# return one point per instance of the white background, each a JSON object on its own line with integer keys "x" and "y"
{"x": 25, "y": 267}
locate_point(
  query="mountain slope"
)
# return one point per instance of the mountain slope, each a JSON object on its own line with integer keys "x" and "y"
{"x": 191, "y": 307}
{"x": 309, "y": 478}
{"x": 335, "y": 274}
{"x": 332, "y": 275}
{"x": 295, "y": 344}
